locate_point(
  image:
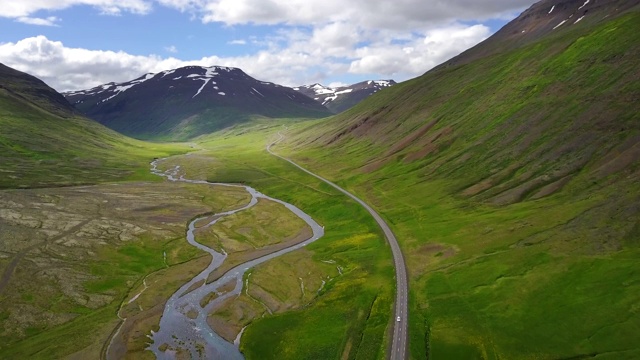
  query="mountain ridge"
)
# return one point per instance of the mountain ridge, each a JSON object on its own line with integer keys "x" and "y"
{"x": 190, "y": 101}
{"x": 35, "y": 91}
{"x": 342, "y": 98}
{"x": 542, "y": 19}
{"x": 510, "y": 175}
{"x": 45, "y": 142}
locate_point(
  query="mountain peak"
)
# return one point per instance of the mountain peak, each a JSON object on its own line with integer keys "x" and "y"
{"x": 342, "y": 98}
{"x": 189, "y": 101}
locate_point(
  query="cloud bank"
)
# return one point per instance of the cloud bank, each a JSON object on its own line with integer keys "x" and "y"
{"x": 316, "y": 41}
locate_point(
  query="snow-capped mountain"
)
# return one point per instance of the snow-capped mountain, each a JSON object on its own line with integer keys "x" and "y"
{"x": 342, "y": 98}
{"x": 189, "y": 101}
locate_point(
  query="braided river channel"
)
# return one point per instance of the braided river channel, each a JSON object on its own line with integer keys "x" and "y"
{"x": 193, "y": 333}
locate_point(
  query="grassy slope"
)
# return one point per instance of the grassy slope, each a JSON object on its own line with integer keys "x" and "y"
{"x": 43, "y": 144}
{"x": 497, "y": 268}
{"x": 39, "y": 148}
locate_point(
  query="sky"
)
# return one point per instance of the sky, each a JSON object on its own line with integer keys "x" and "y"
{"x": 79, "y": 44}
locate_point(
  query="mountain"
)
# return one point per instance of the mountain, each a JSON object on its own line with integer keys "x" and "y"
{"x": 190, "y": 101}
{"x": 32, "y": 90}
{"x": 542, "y": 19}
{"x": 45, "y": 142}
{"x": 511, "y": 177}
{"x": 343, "y": 98}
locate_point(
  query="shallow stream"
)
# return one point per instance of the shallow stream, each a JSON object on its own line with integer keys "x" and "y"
{"x": 193, "y": 334}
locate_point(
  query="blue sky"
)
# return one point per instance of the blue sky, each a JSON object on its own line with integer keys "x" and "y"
{"x": 75, "y": 44}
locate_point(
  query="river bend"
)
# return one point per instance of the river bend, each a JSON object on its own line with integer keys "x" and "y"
{"x": 193, "y": 334}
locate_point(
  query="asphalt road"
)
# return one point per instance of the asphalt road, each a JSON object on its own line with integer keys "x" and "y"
{"x": 400, "y": 333}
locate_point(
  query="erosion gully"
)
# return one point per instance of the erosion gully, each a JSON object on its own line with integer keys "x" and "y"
{"x": 179, "y": 331}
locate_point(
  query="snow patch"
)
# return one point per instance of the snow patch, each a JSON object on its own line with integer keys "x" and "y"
{"x": 206, "y": 81}
{"x": 562, "y": 22}
{"x": 145, "y": 78}
{"x": 222, "y": 93}
{"x": 581, "y": 17}
{"x": 553, "y": 7}
{"x": 124, "y": 87}
{"x": 257, "y": 91}
{"x": 583, "y": 5}
{"x": 343, "y": 91}
{"x": 168, "y": 72}
{"x": 382, "y": 83}
{"x": 210, "y": 73}
{"x": 329, "y": 99}
{"x": 119, "y": 89}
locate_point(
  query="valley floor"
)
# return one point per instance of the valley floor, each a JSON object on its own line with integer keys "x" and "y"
{"x": 117, "y": 251}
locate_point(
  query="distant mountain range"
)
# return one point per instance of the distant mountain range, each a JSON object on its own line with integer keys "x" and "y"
{"x": 189, "y": 101}
{"x": 345, "y": 97}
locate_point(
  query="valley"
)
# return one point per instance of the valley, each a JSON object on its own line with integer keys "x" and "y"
{"x": 488, "y": 209}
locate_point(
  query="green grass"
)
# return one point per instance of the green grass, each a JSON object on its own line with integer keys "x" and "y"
{"x": 42, "y": 149}
{"x": 352, "y": 313}
{"x": 500, "y": 272}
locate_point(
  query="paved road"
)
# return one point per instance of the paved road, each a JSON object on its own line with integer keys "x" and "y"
{"x": 399, "y": 343}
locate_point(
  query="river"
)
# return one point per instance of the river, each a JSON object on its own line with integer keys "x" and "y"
{"x": 193, "y": 334}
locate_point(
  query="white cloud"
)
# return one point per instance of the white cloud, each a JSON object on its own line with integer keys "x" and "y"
{"x": 399, "y": 14}
{"x": 49, "y": 21}
{"x": 415, "y": 57}
{"x": 295, "y": 60}
{"x": 25, "y": 8}
{"x": 337, "y": 84}
{"x": 317, "y": 41}
{"x": 172, "y": 49}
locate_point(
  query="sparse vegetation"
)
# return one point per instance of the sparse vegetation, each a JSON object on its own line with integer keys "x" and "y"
{"x": 88, "y": 248}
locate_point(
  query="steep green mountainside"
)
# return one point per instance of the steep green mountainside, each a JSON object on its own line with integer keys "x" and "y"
{"x": 33, "y": 91}
{"x": 512, "y": 181}
{"x": 44, "y": 142}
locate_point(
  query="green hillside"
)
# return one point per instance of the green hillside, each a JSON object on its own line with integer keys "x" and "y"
{"x": 512, "y": 183}
{"x": 43, "y": 142}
